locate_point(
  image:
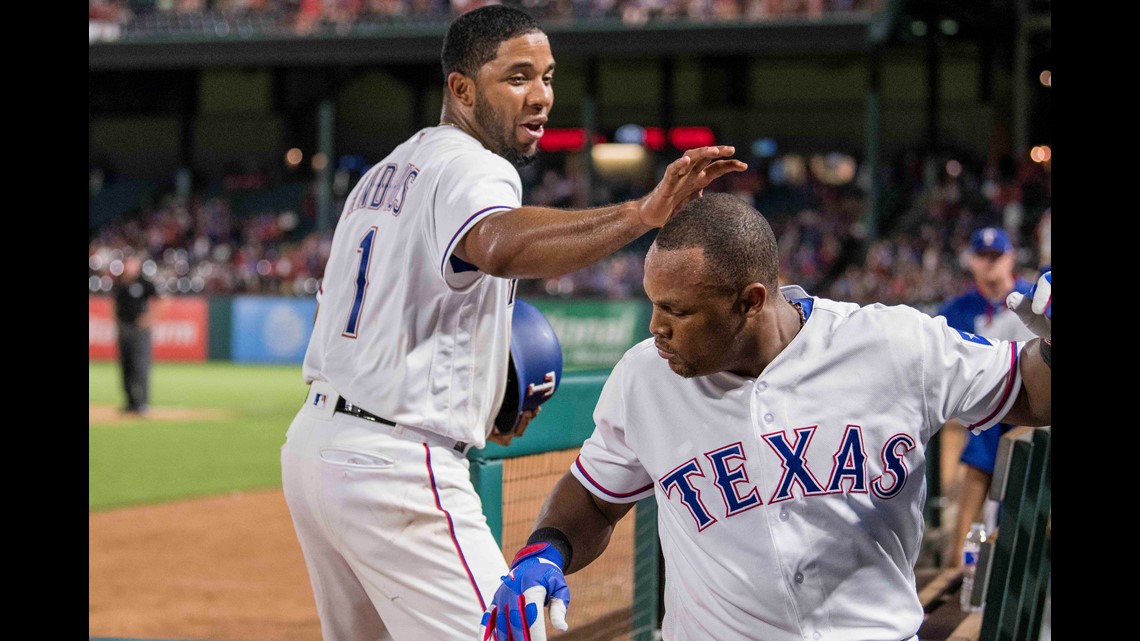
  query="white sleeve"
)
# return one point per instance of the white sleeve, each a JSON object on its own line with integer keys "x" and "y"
{"x": 473, "y": 187}
{"x": 607, "y": 466}
{"x": 969, "y": 378}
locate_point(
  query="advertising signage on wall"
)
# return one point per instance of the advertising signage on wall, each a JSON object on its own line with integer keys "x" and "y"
{"x": 595, "y": 334}
{"x": 271, "y": 329}
{"x": 268, "y": 329}
{"x": 179, "y": 334}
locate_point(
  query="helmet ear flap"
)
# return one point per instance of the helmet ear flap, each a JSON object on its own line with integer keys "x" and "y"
{"x": 509, "y": 413}
{"x": 534, "y": 369}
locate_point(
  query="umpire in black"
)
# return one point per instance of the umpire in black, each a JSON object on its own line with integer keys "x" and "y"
{"x": 134, "y": 315}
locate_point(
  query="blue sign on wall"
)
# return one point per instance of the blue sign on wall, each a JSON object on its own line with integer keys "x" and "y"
{"x": 271, "y": 329}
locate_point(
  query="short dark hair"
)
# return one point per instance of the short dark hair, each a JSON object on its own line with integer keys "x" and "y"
{"x": 473, "y": 38}
{"x": 739, "y": 244}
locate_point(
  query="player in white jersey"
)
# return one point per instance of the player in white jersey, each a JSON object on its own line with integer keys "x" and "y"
{"x": 782, "y": 436}
{"x": 408, "y": 359}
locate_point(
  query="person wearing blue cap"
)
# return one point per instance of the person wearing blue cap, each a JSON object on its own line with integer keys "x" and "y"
{"x": 982, "y": 310}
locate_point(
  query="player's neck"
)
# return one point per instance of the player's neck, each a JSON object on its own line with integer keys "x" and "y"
{"x": 995, "y": 289}
{"x": 453, "y": 118}
{"x": 773, "y": 335}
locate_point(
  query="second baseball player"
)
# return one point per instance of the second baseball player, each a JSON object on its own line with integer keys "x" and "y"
{"x": 782, "y": 436}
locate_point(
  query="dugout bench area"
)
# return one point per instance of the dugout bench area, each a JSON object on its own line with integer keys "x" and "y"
{"x": 1014, "y": 566}
{"x": 619, "y": 596}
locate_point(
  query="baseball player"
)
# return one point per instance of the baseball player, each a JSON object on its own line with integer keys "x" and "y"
{"x": 782, "y": 436}
{"x": 982, "y": 311}
{"x": 408, "y": 359}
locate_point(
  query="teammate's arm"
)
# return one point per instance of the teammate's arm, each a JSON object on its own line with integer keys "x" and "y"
{"x": 972, "y": 493}
{"x": 539, "y": 242}
{"x": 1034, "y": 404}
{"x": 587, "y": 521}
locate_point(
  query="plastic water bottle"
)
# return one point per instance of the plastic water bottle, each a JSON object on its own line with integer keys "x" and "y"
{"x": 970, "y": 551}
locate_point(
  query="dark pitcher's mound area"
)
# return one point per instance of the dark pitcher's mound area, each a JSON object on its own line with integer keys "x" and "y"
{"x": 222, "y": 568}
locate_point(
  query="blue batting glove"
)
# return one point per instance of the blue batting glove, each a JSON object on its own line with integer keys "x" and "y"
{"x": 1036, "y": 308}
{"x": 535, "y": 580}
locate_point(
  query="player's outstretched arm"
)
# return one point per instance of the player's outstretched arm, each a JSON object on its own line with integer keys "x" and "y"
{"x": 573, "y": 528}
{"x": 540, "y": 242}
{"x": 1034, "y": 405}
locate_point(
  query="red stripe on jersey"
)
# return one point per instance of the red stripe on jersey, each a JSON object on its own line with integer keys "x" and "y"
{"x": 1008, "y": 387}
{"x": 578, "y": 463}
{"x": 451, "y": 528}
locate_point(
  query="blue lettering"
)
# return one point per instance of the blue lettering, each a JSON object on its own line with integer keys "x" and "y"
{"x": 795, "y": 467}
{"x": 690, "y": 496}
{"x": 726, "y": 479}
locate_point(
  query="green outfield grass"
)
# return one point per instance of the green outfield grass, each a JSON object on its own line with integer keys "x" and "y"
{"x": 151, "y": 460}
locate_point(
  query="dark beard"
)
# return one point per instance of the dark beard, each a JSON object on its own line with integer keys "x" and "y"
{"x": 500, "y": 144}
{"x": 517, "y": 159}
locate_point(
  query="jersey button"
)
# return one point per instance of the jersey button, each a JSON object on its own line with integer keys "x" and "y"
{"x": 761, "y": 386}
{"x": 768, "y": 418}
{"x": 784, "y": 515}
{"x": 799, "y": 578}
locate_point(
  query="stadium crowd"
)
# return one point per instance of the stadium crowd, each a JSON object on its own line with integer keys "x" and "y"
{"x": 198, "y": 243}
{"x": 114, "y": 19}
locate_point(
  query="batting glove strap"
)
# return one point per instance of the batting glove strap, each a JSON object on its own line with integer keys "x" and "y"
{"x": 555, "y": 537}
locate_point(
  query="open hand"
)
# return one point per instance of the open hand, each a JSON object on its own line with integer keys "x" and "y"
{"x": 685, "y": 179}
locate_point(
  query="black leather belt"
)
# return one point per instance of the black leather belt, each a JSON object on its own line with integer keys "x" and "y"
{"x": 344, "y": 407}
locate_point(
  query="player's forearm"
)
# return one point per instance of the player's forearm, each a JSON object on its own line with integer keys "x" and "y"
{"x": 573, "y": 510}
{"x": 1034, "y": 405}
{"x": 971, "y": 498}
{"x": 540, "y": 242}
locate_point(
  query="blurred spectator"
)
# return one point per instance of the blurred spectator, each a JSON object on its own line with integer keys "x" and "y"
{"x": 220, "y": 244}
{"x": 111, "y": 19}
{"x": 105, "y": 19}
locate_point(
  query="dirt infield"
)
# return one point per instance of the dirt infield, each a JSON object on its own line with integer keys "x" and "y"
{"x": 220, "y": 568}
{"x": 109, "y": 415}
{"x": 224, "y": 569}
{"x": 228, "y": 568}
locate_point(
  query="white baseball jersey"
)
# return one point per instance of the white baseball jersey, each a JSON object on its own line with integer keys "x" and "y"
{"x": 392, "y": 530}
{"x": 406, "y": 330}
{"x": 790, "y": 505}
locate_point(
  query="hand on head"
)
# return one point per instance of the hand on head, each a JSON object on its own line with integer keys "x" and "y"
{"x": 685, "y": 179}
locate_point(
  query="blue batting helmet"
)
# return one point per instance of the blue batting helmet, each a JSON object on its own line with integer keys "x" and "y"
{"x": 535, "y": 368}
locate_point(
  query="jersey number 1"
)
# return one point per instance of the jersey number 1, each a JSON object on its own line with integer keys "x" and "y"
{"x": 365, "y": 251}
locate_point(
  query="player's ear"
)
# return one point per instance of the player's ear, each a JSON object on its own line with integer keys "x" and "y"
{"x": 752, "y": 298}
{"x": 461, "y": 88}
